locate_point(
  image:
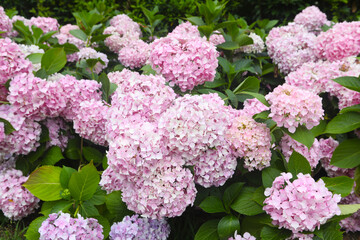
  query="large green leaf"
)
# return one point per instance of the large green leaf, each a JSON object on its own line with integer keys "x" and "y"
{"x": 343, "y": 123}
{"x": 53, "y": 60}
{"x": 250, "y": 84}
{"x": 348, "y": 208}
{"x": 79, "y": 34}
{"x": 254, "y": 224}
{"x": 92, "y": 154}
{"x": 347, "y": 154}
{"x": 339, "y": 185}
{"x": 52, "y": 156}
{"x": 106, "y": 225}
{"x": 33, "y": 231}
{"x": 227, "y": 226}
{"x": 302, "y": 135}
{"x": 298, "y": 164}
{"x": 228, "y": 46}
{"x": 88, "y": 209}
{"x": 353, "y": 108}
{"x": 268, "y": 176}
{"x": 245, "y": 203}
{"x": 44, "y": 183}
{"x": 232, "y": 97}
{"x": 83, "y": 184}
{"x": 65, "y": 176}
{"x": 212, "y": 204}
{"x": 208, "y": 231}
{"x": 329, "y": 231}
{"x": 269, "y": 233}
{"x": 115, "y": 205}
{"x": 231, "y": 193}
{"x": 352, "y": 83}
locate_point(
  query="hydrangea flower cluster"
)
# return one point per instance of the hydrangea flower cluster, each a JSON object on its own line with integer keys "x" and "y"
{"x": 58, "y": 132}
{"x": 30, "y": 49}
{"x": 16, "y": 202}
{"x": 5, "y": 23}
{"x": 301, "y": 205}
{"x": 256, "y": 47}
{"x": 251, "y": 141}
{"x": 90, "y": 53}
{"x": 63, "y": 226}
{"x": 46, "y": 24}
{"x": 64, "y": 36}
{"x": 292, "y": 107}
{"x": 186, "y": 62}
{"x": 340, "y": 41}
{"x": 12, "y": 61}
{"x": 291, "y": 46}
{"x": 216, "y": 38}
{"x": 246, "y": 236}
{"x": 185, "y": 30}
{"x": 26, "y": 136}
{"x": 137, "y": 228}
{"x": 311, "y": 18}
{"x": 253, "y": 106}
{"x": 135, "y": 54}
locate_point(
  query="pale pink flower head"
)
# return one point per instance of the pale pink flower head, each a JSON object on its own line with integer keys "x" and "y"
{"x": 46, "y": 24}
{"x": 216, "y": 38}
{"x": 185, "y": 62}
{"x": 16, "y": 202}
{"x": 292, "y": 107}
{"x": 311, "y": 18}
{"x": 64, "y": 36}
{"x": 301, "y": 205}
{"x": 125, "y": 26}
{"x": 250, "y": 140}
{"x": 135, "y": 54}
{"x": 12, "y": 61}
{"x": 256, "y": 47}
{"x": 185, "y": 30}
{"x": 90, "y": 53}
{"x": 5, "y": 23}
{"x": 253, "y": 106}
{"x": 58, "y": 132}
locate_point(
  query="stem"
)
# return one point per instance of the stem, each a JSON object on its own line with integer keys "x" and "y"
{"x": 76, "y": 211}
{"x": 3, "y": 102}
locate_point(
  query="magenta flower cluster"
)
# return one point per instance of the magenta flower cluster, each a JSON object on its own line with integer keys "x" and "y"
{"x": 16, "y": 202}
{"x": 63, "y": 226}
{"x": 300, "y": 205}
{"x": 137, "y": 228}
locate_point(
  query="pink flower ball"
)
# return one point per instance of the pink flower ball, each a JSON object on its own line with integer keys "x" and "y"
{"x": 64, "y": 36}
{"x": 291, "y": 46}
{"x": 125, "y": 25}
{"x": 313, "y": 155}
{"x": 301, "y": 205}
{"x": 185, "y": 30}
{"x": 16, "y": 202}
{"x": 311, "y": 18}
{"x": 47, "y": 24}
{"x": 5, "y": 24}
{"x": 12, "y": 61}
{"x": 252, "y": 141}
{"x": 292, "y": 107}
{"x": 340, "y": 41}
{"x": 58, "y": 132}
{"x": 256, "y": 47}
{"x": 186, "y": 62}
{"x": 216, "y": 38}
{"x": 63, "y": 226}
{"x": 253, "y": 106}
{"x": 135, "y": 54}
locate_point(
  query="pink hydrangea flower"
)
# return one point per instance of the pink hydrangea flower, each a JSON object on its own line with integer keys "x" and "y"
{"x": 301, "y": 205}
{"x": 58, "y": 132}
{"x": 256, "y": 47}
{"x": 251, "y": 141}
{"x": 5, "y": 23}
{"x": 47, "y": 24}
{"x": 63, "y": 226}
{"x": 253, "y": 106}
{"x": 246, "y": 236}
{"x": 340, "y": 41}
{"x": 186, "y": 62}
{"x": 292, "y": 107}
{"x": 16, "y": 202}
{"x": 12, "y": 61}
{"x": 137, "y": 228}
{"x": 311, "y": 18}
{"x": 185, "y": 30}
{"x": 291, "y": 46}
{"x": 313, "y": 155}
{"x": 64, "y": 36}
{"x": 30, "y": 49}
{"x": 89, "y": 53}
{"x": 216, "y": 38}
{"x": 135, "y": 54}
{"x": 126, "y": 25}
{"x": 26, "y": 136}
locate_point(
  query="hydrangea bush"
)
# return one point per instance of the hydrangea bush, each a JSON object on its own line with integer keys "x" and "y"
{"x": 219, "y": 129}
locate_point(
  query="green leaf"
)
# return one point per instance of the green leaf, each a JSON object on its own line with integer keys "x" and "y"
{"x": 254, "y": 224}
{"x": 354, "y": 108}
{"x": 225, "y": 64}
{"x": 73, "y": 149}
{"x": 347, "y": 154}
{"x": 343, "y": 123}
{"x": 298, "y": 164}
{"x": 250, "y": 84}
{"x": 44, "y": 183}
{"x": 232, "y": 97}
{"x": 105, "y": 85}
{"x": 228, "y": 46}
{"x": 348, "y": 208}
{"x": 319, "y": 129}
{"x": 231, "y": 193}
{"x": 329, "y": 231}
{"x": 35, "y": 57}
{"x": 339, "y": 185}
{"x": 208, "y": 231}
{"x": 357, "y": 181}
{"x": 245, "y": 204}
{"x": 196, "y": 20}
{"x": 33, "y": 231}
{"x": 53, "y": 60}
{"x": 105, "y": 223}
{"x": 352, "y": 83}
{"x": 218, "y": 82}
{"x": 98, "y": 198}
{"x": 46, "y": 36}
{"x": 302, "y": 135}
{"x": 83, "y": 184}
{"x": 242, "y": 65}
{"x": 243, "y": 40}
{"x": 61, "y": 205}
{"x": 47, "y": 206}
{"x": 258, "y": 96}
{"x": 65, "y": 176}
{"x": 268, "y": 176}
{"x": 79, "y": 34}
{"x": 92, "y": 154}
{"x": 259, "y": 196}
{"x": 269, "y": 233}
{"x": 52, "y": 156}
{"x": 70, "y": 48}
{"x": 212, "y": 204}
{"x": 115, "y": 205}
{"x": 88, "y": 210}
{"x": 41, "y": 73}
{"x": 227, "y": 226}
{"x": 7, "y": 126}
